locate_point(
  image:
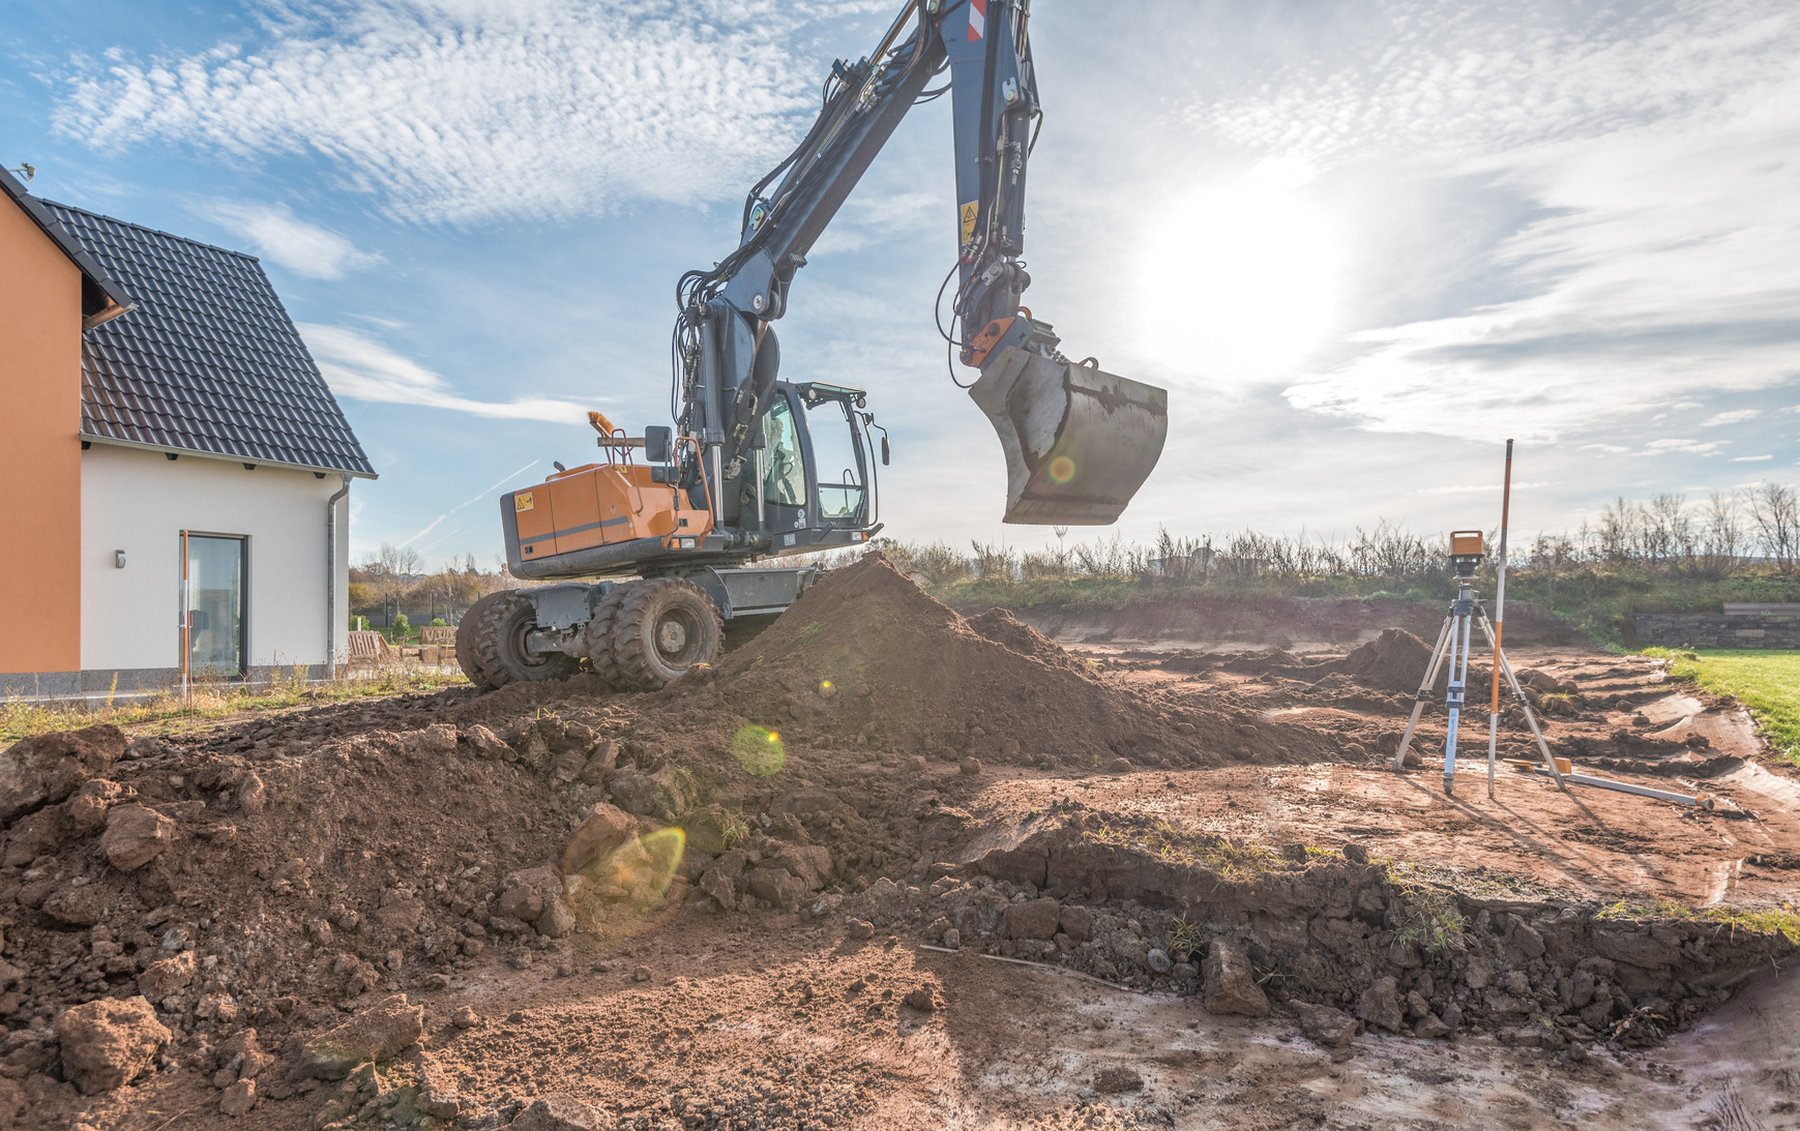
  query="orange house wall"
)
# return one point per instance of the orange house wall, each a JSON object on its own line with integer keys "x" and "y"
{"x": 40, "y": 450}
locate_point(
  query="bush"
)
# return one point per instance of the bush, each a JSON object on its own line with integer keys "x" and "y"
{"x": 439, "y": 622}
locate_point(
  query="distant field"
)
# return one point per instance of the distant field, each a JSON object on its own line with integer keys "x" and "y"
{"x": 1768, "y": 682}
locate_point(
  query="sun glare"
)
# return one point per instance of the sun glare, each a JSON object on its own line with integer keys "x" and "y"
{"x": 1244, "y": 277}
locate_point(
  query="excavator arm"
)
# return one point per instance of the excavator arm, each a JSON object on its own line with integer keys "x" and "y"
{"x": 1078, "y": 441}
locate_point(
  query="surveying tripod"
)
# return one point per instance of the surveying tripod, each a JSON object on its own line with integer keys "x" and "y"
{"x": 1452, "y": 651}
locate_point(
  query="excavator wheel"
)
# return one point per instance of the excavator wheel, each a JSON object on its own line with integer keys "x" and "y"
{"x": 491, "y": 640}
{"x": 596, "y": 638}
{"x": 471, "y": 628}
{"x": 664, "y": 629}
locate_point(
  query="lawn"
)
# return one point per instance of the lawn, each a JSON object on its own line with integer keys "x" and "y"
{"x": 1767, "y": 682}
{"x": 211, "y": 703}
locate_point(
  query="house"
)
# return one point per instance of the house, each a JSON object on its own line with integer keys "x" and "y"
{"x": 176, "y": 470}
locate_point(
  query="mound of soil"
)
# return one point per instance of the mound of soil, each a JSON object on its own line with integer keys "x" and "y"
{"x": 1394, "y": 661}
{"x": 867, "y": 658}
{"x": 236, "y": 888}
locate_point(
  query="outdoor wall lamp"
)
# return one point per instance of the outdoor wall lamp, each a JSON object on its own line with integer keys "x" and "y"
{"x": 119, "y": 559}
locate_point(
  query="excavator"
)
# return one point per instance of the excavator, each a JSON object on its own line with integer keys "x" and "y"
{"x": 652, "y": 549}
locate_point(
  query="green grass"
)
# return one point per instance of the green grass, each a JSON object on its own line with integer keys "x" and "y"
{"x": 1770, "y": 921}
{"x": 1766, "y": 681}
{"x": 208, "y": 703}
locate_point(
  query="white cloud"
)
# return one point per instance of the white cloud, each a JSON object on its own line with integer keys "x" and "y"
{"x": 1737, "y": 416}
{"x": 469, "y": 110}
{"x": 361, "y": 368}
{"x": 1480, "y": 488}
{"x": 1660, "y": 159}
{"x": 279, "y": 235}
{"x": 1751, "y": 459}
{"x": 1670, "y": 445}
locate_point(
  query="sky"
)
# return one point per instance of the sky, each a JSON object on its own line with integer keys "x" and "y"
{"x": 1360, "y": 243}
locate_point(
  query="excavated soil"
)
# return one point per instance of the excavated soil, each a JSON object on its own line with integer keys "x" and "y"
{"x": 887, "y": 866}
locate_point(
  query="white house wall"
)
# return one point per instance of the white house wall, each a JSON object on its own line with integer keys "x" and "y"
{"x": 140, "y": 501}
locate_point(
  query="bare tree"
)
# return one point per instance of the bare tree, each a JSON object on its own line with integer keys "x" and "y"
{"x": 1724, "y": 537}
{"x": 1667, "y": 530}
{"x": 391, "y": 570}
{"x": 1775, "y": 509}
{"x": 1618, "y": 524}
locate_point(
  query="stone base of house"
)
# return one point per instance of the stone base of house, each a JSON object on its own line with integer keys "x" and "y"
{"x": 136, "y": 682}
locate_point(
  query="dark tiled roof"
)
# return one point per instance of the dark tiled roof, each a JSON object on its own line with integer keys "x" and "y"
{"x": 206, "y": 360}
{"x": 101, "y": 298}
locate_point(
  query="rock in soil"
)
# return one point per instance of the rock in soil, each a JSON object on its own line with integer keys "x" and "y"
{"x": 134, "y": 836}
{"x": 1379, "y": 1005}
{"x": 1117, "y": 1080}
{"x": 1325, "y": 1026}
{"x": 377, "y": 1033}
{"x": 1033, "y": 919}
{"x": 107, "y": 1043}
{"x": 238, "y": 1099}
{"x": 43, "y": 770}
{"x": 558, "y": 1113}
{"x": 1230, "y": 982}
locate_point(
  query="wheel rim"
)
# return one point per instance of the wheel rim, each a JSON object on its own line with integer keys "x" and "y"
{"x": 520, "y": 648}
{"x": 678, "y": 638}
{"x": 671, "y": 636}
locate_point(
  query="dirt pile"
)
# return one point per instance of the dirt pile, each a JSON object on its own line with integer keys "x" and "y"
{"x": 266, "y": 888}
{"x": 866, "y": 659}
{"x": 1396, "y": 660}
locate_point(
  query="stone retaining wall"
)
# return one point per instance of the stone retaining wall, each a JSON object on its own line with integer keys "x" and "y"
{"x": 1714, "y": 630}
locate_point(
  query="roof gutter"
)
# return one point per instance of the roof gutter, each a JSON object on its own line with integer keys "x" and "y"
{"x": 106, "y": 314}
{"x": 331, "y": 614}
{"x": 167, "y": 449}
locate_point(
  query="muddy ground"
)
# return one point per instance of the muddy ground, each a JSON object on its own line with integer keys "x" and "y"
{"x": 887, "y": 866}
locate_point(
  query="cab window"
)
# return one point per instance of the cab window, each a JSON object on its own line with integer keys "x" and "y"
{"x": 784, "y": 476}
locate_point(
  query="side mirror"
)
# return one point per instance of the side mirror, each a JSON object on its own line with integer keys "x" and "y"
{"x": 886, "y": 454}
{"x": 659, "y": 440}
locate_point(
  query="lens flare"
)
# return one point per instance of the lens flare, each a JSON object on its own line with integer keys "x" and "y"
{"x": 612, "y": 884}
{"x": 759, "y": 751}
{"x": 1062, "y": 469}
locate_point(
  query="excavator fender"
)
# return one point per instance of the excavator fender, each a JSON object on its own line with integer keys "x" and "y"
{"x": 1079, "y": 441}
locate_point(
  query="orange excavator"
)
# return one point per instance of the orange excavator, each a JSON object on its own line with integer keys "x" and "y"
{"x": 652, "y": 549}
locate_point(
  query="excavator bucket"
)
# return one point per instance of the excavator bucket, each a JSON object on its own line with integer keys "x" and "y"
{"x": 1079, "y": 441}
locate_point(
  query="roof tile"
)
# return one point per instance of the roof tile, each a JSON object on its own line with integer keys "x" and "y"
{"x": 207, "y": 360}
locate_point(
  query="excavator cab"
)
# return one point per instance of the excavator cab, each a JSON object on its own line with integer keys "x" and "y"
{"x": 811, "y": 480}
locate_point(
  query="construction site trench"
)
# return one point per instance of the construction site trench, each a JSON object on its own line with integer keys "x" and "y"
{"x": 885, "y": 865}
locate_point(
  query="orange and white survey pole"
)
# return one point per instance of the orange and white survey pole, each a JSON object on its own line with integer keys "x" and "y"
{"x": 1499, "y": 622}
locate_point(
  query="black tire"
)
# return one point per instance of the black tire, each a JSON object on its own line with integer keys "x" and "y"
{"x": 596, "y": 637}
{"x": 473, "y": 626}
{"x": 664, "y": 629}
{"x": 499, "y": 643}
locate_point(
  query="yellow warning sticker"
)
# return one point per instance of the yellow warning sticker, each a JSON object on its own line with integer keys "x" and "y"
{"x": 969, "y": 212}
{"x": 523, "y": 502}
